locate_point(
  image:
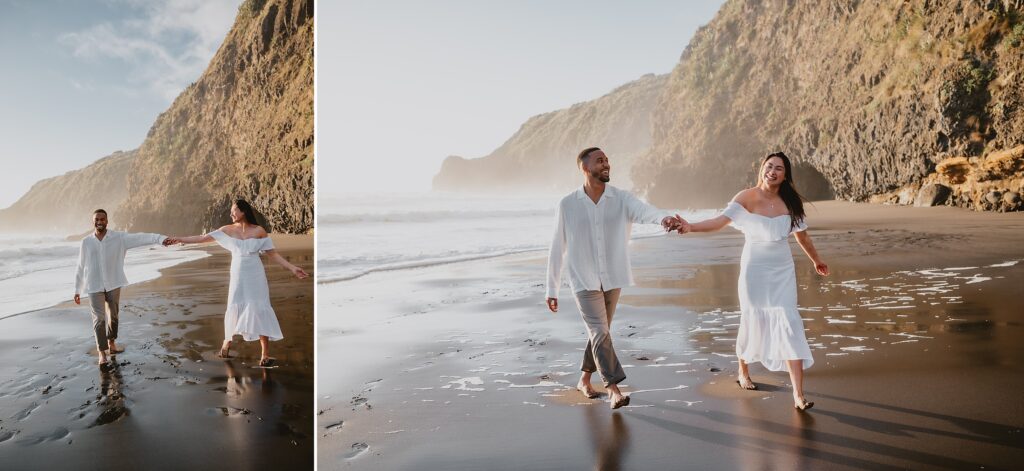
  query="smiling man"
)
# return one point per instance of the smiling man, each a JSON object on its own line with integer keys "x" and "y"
{"x": 100, "y": 276}
{"x": 593, "y": 226}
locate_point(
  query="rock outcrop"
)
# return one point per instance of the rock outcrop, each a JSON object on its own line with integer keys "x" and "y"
{"x": 871, "y": 98}
{"x": 64, "y": 204}
{"x": 243, "y": 130}
{"x": 868, "y": 97}
{"x": 541, "y": 155}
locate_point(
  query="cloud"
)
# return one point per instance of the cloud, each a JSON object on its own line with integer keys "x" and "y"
{"x": 166, "y": 44}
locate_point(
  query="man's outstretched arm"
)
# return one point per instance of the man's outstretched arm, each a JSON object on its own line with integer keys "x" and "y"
{"x": 640, "y": 212}
{"x": 132, "y": 240}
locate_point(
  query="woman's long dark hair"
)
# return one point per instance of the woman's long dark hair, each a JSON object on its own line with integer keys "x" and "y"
{"x": 787, "y": 190}
{"x": 246, "y": 208}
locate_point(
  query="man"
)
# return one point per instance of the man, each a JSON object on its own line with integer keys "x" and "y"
{"x": 100, "y": 276}
{"x": 593, "y": 226}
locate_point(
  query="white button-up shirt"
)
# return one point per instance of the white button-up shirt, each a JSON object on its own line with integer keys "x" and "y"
{"x": 595, "y": 237}
{"x": 101, "y": 262}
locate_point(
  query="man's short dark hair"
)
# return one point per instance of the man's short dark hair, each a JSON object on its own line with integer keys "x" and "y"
{"x": 584, "y": 153}
{"x": 100, "y": 211}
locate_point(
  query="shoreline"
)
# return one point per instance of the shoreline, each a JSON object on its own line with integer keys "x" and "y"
{"x": 148, "y": 272}
{"x": 467, "y": 346}
{"x": 168, "y": 386}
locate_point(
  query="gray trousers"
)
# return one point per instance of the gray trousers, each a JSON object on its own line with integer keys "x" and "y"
{"x": 597, "y": 309}
{"x": 104, "y": 306}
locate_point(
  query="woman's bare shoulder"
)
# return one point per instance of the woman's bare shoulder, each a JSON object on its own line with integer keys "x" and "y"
{"x": 746, "y": 197}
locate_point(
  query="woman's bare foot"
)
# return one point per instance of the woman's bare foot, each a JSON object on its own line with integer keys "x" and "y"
{"x": 225, "y": 350}
{"x": 746, "y": 383}
{"x": 802, "y": 404}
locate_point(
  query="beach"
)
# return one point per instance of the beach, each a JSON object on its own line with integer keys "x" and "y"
{"x": 168, "y": 402}
{"x": 916, "y": 335}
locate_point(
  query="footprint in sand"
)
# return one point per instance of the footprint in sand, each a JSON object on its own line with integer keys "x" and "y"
{"x": 333, "y": 428}
{"x": 357, "y": 449}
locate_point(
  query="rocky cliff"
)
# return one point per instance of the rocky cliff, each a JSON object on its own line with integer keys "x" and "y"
{"x": 243, "y": 130}
{"x": 542, "y": 154}
{"x": 65, "y": 203}
{"x": 910, "y": 102}
{"x": 875, "y": 100}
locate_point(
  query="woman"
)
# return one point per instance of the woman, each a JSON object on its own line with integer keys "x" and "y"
{"x": 771, "y": 330}
{"x": 248, "y": 313}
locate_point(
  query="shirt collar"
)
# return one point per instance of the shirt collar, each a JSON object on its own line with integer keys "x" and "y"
{"x": 608, "y": 192}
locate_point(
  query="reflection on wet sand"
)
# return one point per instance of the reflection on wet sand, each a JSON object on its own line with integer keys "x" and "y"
{"x": 609, "y": 441}
{"x": 111, "y": 399}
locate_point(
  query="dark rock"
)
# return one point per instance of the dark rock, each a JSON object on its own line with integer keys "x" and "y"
{"x": 934, "y": 194}
{"x": 1012, "y": 200}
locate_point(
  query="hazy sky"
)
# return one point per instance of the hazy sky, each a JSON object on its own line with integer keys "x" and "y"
{"x": 82, "y": 79}
{"x": 403, "y": 84}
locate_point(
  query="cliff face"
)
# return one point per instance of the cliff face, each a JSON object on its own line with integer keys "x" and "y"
{"x": 875, "y": 100}
{"x": 65, "y": 203}
{"x": 243, "y": 130}
{"x": 542, "y": 154}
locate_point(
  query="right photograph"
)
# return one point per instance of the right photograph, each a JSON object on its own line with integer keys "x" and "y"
{"x": 669, "y": 235}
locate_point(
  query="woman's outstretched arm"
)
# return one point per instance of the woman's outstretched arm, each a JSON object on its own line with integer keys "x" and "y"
{"x": 709, "y": 225}
{"x": 277, "y": 258}
{"x": 804, "y": 239}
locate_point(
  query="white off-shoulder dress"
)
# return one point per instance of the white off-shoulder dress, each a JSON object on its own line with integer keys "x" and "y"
{"x": 248, "y": 313}
{"x": 771, "y": 330}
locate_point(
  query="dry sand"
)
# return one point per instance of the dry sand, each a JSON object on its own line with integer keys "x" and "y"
{"x": 169, "y": 403}
{"x": 917, "y": 338}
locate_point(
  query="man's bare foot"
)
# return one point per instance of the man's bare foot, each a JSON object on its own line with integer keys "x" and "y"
{"x": 113, "y": 348}
{"x": 619, "y": 400}
{"x": 586, "y": 389}
{"x": 103, "y": 360}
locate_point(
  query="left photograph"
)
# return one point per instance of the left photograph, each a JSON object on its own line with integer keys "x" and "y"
{"x": 156, "y": 236}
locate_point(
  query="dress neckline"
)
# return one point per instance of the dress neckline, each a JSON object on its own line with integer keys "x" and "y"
{"x": 236, "y": 238}
{"x": 755, "y": 214}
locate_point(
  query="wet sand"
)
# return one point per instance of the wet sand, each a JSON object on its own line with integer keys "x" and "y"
{"x": 168, "y": 402}
{"x": 917, "y": 338}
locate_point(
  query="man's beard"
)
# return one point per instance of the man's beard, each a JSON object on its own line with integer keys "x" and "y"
{"x": 598, "y": 175}
{"x": 101, "y": 229}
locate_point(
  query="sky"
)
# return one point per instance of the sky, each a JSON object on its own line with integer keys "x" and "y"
{"x": 403, "y": 84}
{"x": 82, "y": 79}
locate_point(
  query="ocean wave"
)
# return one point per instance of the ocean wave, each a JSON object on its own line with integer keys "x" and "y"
{"x": 422, "y": 263}
{"x": 431, "y": 216}
{"x": 39, "y": 253}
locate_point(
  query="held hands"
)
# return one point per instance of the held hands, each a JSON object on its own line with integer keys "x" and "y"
{"x": 171, "y": 241}
{"x": 78, "y": 299}
{"x": 553, "y": 304}
{"x": 672, "y": 223}
{"x": 684, "y": 225}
